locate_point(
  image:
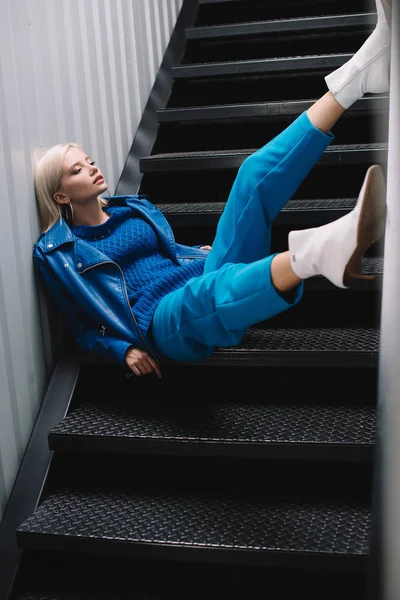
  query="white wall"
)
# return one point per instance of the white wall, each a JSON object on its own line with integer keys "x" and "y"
{"x": 70, "y": 70}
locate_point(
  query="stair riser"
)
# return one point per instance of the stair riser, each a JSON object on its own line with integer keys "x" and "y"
{"x": 42, "y": 576}
{"x": 278, "y": 27}
{"x": 334, "y": 181}
{"x": 218, "y": 13}
{"x": 272, "y": 45}
{"x": 254, "y": 133}
{"x": 247, "y": 89}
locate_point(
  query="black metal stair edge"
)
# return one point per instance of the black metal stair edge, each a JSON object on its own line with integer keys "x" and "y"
{"x": 119, "y": 445}
{"x": 254, "y": 67}
{"x": 338, "y": 154}
{"x": 300, "y": 24}
{"x": 195, "y": 526}
{"x": 317, "y": 432}
{"x": 262, "y": 109}
{"x": 237, "y": 556}
{"x": 305, "y": 348}
{"x": 146, "y": 133}
{"x": 296, "y": 212}
{"x": 240, "y": 557}
{"x": 34, "y": 466}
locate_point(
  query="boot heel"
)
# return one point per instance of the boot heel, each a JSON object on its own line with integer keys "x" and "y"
{"x": 387, "y": 8}
{"x": 353, "y": 273}
{"x": 371, "y": 229}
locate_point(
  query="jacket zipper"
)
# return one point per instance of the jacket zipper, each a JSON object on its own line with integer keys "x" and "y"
{"x": 103, "y": 329}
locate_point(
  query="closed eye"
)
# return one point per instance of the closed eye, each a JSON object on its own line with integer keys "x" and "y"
{"x": 78, "y": 170}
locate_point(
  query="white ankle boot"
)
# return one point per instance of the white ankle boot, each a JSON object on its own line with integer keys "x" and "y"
{"x": 367, "y": 72}
{"x": 335, "y": 250}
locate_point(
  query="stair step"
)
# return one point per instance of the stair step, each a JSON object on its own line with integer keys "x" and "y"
{"x": 232, "y": 159}
{"x": 301, "y": 25}
{"x": 244, "y": 430}
{"x": 307, "y": 212}
{"x": 281, "y": 38}
{"x": 253, "y": 67}
{"x": 288, "y": 347}
{"x": 303, "y": 348}
{"x": 284, "y": 526}
{"x": 261, "y": 109}
{"x": 311, "y": 211}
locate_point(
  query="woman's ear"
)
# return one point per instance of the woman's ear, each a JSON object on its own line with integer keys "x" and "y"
{"x": 60, "y": 198}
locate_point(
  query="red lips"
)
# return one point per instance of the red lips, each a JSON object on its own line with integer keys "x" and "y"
{"x": 98, "y": 178}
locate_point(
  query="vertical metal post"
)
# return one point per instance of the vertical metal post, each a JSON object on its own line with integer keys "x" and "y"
{"x": 388, "y": 431}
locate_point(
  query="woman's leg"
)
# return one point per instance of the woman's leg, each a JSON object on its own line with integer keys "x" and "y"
{"x": 264, "y": 183}
{"x": 269, "y": 177}
{"x": 325, "y": 112}
{"x": 218, "y": 307}
{"x": 336, "y": 250}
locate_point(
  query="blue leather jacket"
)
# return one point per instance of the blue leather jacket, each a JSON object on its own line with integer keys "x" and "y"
{"x": 89, "y": 289}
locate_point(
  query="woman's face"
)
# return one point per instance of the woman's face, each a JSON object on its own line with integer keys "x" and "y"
{"x": 81, "y": 180}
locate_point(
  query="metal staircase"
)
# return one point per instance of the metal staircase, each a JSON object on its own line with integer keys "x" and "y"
{"x": 249, "y": 475}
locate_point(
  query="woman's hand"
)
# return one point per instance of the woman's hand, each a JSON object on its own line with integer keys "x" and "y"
{"x": 141, "y": 363}
{"x": 205, "y": 247}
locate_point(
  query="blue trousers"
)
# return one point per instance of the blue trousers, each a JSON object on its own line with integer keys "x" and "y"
{"x": 236, "y": 290}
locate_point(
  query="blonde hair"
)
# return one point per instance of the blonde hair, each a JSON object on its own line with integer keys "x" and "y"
{"x": 47, "y": 172}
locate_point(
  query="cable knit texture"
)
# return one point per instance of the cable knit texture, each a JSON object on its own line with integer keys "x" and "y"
{"x": 132, "y": 243}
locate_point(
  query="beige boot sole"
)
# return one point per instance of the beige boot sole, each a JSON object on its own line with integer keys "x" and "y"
{"x": 371, "y": 225}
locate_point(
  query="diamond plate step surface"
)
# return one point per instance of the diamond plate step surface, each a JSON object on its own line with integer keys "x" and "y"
{"x": 311, "y": 211}
{"x": 306, "y": 207}
{"x": 229, "y": 527}
{"x": 289, "y": 347}
{"x": 217, "y": 429}
{"x": 303, "y": 348}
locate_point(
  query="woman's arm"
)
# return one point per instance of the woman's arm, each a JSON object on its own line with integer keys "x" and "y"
{"x": 140, "y": 362}
{"x": 87, "y": 335}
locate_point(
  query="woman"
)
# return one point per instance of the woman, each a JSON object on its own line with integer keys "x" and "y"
{"x": 129, "y": 292}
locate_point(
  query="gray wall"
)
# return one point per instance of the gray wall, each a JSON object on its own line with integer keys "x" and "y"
{"x": 70, "y": 70}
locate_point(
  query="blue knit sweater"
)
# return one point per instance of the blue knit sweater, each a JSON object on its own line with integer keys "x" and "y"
{"x": 132, "y": 243}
